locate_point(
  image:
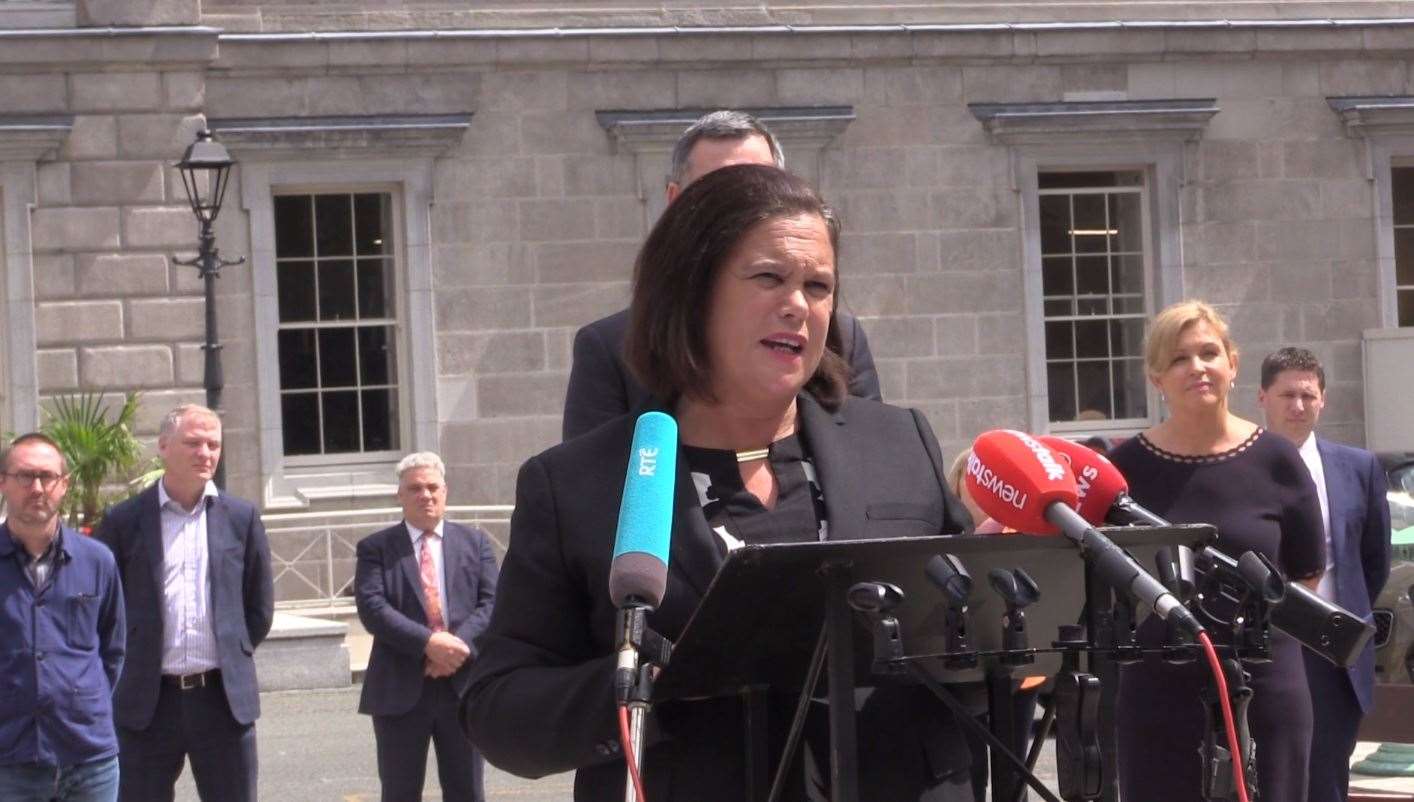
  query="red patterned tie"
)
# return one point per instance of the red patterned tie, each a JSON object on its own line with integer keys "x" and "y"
{"x": 428, "y": 569}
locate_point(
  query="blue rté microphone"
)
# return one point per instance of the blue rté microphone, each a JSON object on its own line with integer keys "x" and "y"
{"x": 638, "y": 574}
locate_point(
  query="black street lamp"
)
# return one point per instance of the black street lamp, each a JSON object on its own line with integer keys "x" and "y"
{"x": 206, "y": 170}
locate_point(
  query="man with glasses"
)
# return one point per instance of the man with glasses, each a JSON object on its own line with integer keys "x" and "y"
{"x": 62, "y": 630}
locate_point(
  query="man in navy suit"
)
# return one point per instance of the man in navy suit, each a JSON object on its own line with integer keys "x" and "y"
{"x": 195, "y": 565}
{"x": 601, "y": 387}
{"x": 1351, "y": 486}
{"x": 424, "y": 589}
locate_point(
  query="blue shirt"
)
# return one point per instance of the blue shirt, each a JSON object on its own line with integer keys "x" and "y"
{"x": 61, "y": 648}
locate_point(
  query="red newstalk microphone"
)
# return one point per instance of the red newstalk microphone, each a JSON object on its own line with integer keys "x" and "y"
{"x": 1023, "y": 484}
{"x": 1015, "y": 480}
{"x": 1098, "y": 482}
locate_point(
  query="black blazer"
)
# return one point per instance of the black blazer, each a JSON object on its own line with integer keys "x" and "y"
{"x": 242, "y": 600}
{"x": 540, "y": 699}
{"x": 601, "y": 387}
{"x": 388, "y": 591}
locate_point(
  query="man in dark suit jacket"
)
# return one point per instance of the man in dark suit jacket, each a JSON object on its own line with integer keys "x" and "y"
{"x": 541, "y": 699}
{"x": 601, "y": 387}
{"x": 425, "y": 589}
{"x": 195, "y": 565}
{"x": 1351, "y": 486}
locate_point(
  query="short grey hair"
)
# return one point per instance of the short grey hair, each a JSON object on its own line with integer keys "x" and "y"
{"x": 173, "y": 420}
{"x": 420, "y": 459}
{"x": 724, "y": 124}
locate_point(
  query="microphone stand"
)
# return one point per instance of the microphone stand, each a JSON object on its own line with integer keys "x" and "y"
{"x": 641, "y": 652}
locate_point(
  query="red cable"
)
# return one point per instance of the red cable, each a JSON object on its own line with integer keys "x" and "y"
{"x": 626, "y": 740}
{"x": 1238, "y": 758}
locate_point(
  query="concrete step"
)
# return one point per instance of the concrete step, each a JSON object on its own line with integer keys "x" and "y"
{"x": 303, "y": 653}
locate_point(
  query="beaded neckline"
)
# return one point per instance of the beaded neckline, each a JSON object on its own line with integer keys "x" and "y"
{"x": 1206, "y": 459}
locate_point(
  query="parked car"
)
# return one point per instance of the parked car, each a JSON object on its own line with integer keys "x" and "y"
{"x": 1394, "y": 609}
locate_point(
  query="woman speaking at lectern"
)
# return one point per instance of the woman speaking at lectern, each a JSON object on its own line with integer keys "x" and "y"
{"x": 732, "y": 331}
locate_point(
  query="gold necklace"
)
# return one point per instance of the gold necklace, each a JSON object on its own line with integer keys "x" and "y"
{"x": 753, "y": 454}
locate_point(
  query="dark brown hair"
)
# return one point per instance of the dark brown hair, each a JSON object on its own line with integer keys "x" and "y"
{"x": 1291, "y": 358}
{"x": 673, "y": 278}
{"x": 33, "y": 437}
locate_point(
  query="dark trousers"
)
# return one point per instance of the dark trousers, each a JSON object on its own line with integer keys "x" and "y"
{"x": 402, "y": 749}
{"x": 195, "y": 724}
{"x": 1336, "y": 715}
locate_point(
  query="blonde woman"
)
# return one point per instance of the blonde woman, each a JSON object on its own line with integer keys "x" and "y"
{"x": 1204, "y": 464}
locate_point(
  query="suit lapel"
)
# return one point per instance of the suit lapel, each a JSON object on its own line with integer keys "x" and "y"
{"x": 454, "y": 545}
{"x": 694, "y": 549}
{"x": 834, "y": 465}
{"x": 407, "y": 558}
{"x": 1334, "y": 470}
{"x": 150, "y": 527}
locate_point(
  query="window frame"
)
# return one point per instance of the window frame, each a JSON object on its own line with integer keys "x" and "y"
{"x": 1146, "y": 296}
{"x": 1162, "y": 164}
{"x": 19, "y": 404}
{"x": 294, "y": 482}
{"x": 401, "y": 380}
{"x": 1387, "y": 153}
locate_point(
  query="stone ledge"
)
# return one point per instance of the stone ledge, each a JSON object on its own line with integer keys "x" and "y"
{"x": 29, "y": 138}
{"x": 402, "y": 134}
{"x": 303, "y": 653}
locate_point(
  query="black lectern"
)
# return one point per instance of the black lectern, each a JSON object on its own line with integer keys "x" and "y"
{"x": 775, "y": 613}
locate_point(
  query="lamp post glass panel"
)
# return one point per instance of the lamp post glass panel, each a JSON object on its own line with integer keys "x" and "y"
{"x": 206, "y": 170}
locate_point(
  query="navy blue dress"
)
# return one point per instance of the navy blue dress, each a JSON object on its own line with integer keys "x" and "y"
{"x": 1260, "y": 497}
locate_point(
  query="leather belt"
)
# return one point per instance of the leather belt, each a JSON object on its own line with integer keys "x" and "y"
{"x": 187, "y": 682}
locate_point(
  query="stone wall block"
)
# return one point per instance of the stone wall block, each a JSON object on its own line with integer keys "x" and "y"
{"x": 120, "y": 274}
{"x": 1003, "y": 335}
{"x": 496, "y": 220}
{"x": 958, "y": 292}
{"x": 125, "y": 366}
{"x": 57, "y": 369}
{"x": 166, "y": 319}
{"x": 75, "y": 228}
{"x": 880, "y": 295}
{"x": 602, "y": 175}
{"x": 1220, "y": 242}
{"x": 1299, "y": 239}
{"x": 504, "y": 441}
{"x": 549, "y": 133}
{"x": 94, "y": 136}
{"x": 623, "y": 89}
{"x": 1338, "y": 320}
{"x": 577, "y": 304}
{"x": 423, "y": 93}
{"x": 520, "y": 394}
{"x": 864, "y": 254}
{"x": 1209, "y": 41}
{"x": 998, "y": 84}
{"x": 557, "y": 220}
{"x": 811, "y": 87}
{"x": 959, "y": 45}
{"x": 891, "y": 127}
{"x": 54, "y": 276}
{"x": 33, "y": 93}
{"x": 78, "y": 322}
{"x": 191, "y": 364}
{"x": 1347, "y": 199}
{"x": 266, "y": 96}
{"x": 717, "y": 89}
{"x": 483, "y": 308}
{"x": 632, "y": 49}
{"x": 53, "y": 183}
{"x": 893, "y": 379}
{"x": 980, "y": 249}
{"x": 559, "y": 348}
{"x": 900, "y": 210}
{"x": 1249, "y": 282}
{"x": 1263, "y": 200}
{"x": 901, "y": 337}
{"x": 97, "y": 13}
{"x": 1295, "y": 280}
{"x": 856, "y": 168}
{"x": 183, "y": 91}
{"x": 480, "y": 354}
{"x": 115, "y": 91}
{"x": 481, "y": 264}
{"x": 163, "y": 137}
{"x": 472, "y": 179}
{"x": 977, "y": 415}
{"x": 560, "y": 262}
{"x": 972, "y": 209}
{"x": 168, "y": 227}
{"x": 1313, "y": 39}
{"x": 704, "y": 49}
{"x": 387, "y": 53}
{"x": 117, "y": 182}
{"x": 1364, "y": 77}
{"x": 568, "y": 50}
{"x": 1322, "y": 159}
{"x": 521, "y": 90}
{"x": 618, "y": 218}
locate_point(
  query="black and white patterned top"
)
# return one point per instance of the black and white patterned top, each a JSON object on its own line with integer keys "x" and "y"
{"x": 738, "y": 517}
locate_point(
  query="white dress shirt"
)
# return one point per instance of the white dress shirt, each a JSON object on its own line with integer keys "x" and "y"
{"x": 1312, "y": 457}
{"x": 417, "y": 543}
{"x": 188, "y": 640}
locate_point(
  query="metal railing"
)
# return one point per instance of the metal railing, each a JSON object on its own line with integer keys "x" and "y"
{"x": 312, "y": 553}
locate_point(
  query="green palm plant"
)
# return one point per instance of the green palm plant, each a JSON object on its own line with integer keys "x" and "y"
{"x": 99, "y": 451}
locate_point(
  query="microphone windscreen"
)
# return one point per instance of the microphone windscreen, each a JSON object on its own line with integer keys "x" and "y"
{"x": 1098, "y": 482}
{"x": 640, "y": 563}
{"x": 1014, "y": 479}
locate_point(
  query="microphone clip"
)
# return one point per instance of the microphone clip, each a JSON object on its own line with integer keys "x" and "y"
{"x": 640, "y": 649}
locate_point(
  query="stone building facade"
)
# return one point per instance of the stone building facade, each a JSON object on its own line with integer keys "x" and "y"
{"x": 449, "y": 194}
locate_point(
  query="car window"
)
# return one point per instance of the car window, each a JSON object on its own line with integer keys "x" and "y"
{"x": 1401, "y": 499}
